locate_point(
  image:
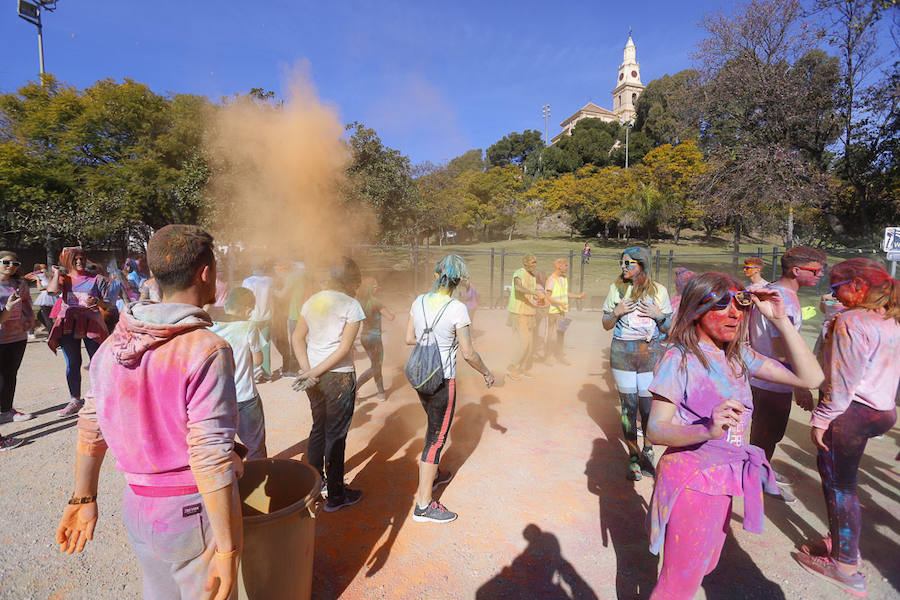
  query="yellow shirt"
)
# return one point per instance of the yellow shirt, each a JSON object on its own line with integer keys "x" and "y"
{"x": 558, "y": 293}
{"x": 517, "y": 303}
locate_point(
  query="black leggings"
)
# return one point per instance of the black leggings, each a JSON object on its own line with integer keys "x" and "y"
{"x": 846, "y": 439}
{"x": 10, "y": 360}
{"x": 43, "y": 316}
{"x": 439, "y": 408}
{"x": 771, "y": 412}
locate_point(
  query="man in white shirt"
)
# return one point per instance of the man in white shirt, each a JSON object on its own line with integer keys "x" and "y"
{"x": 262, "y": 285}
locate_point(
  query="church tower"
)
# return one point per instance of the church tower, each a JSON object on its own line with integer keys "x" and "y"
{"x": 628, "y": 85}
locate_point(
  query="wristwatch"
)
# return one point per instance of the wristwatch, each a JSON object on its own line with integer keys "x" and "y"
{"x": 82, "y": 499}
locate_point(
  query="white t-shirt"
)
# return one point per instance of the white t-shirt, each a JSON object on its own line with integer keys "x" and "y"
{"x": 455, "y": 316}
{"x": 244, "y": 339}
{"x": 325, "y": 314}
{"x": 261, "y": 286}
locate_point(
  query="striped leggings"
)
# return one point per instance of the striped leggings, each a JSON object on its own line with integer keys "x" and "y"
{"x": 439, "y": 408}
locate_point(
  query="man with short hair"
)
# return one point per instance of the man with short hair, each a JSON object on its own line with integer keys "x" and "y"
{"x": 753, "y": 271}
{"x": 163, "y": 401}
{"x": 801, "y": 266}
{"x": 523, "y": 298}
{"x": 557, "y": 288}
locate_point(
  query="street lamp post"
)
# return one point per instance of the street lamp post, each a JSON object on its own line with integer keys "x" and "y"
{"x": 32, "y": 13}
{"x": 545, "y": 111}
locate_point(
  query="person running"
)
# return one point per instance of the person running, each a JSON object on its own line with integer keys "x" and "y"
{"x": 371, "y": 333}
{"x": 753, "y": 272}
{"x": 234, "y": 326}
{"x": 163, "y": 401}
{"x": 801, "y": 266}
{"x": 78, "y": 318}
{"x": 449, "y": 321}
{"x": 862, "y": 374}
{"x": 323, "y": 340}
{"x": 557, "y": 289}
{"x": 637, "y": 309}
{"x": 702, "y": 405}
{"x": 16, "y": 319}
{"x": 524, "y": 297}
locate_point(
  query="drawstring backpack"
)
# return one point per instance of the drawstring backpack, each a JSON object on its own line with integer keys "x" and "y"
{"x": 424, "y": 369}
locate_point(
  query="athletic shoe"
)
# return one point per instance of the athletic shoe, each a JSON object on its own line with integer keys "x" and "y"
{"x": 441, "y": 478}
{"x": 434, "y": 512}
{"x": 825, "y": 568}
{"x": 822, "y": 548}
{"x": 634, "y": 469}
{"x": 349, "y": 498}
{"x": 646, "y": 462}
{"x": 9, "y": 443}
{"x": 382, "y": 396}
{"x": 324, "y": 491}
{"x": 71, "y": 408}
{"x": 781, "y": 479}
{"x": 784, "y": 495}
{"x": 514, "y": 375}
{"x": 15, "y": 416}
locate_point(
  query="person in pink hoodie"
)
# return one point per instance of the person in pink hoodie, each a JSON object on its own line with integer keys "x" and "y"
{"x": 163, "y": 401}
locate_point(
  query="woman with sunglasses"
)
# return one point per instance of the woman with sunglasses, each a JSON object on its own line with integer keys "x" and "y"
{"x": 16, "y": 319}
{"x": 638, "y": 311}
{"x": 862, "y": 373}
{"x": 77, "y": 317}
{"x": 702, "y": 407}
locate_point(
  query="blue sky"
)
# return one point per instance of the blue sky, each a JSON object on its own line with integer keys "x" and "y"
{"x": 434, "y": 79}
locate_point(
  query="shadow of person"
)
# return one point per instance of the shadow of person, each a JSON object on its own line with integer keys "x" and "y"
{"x": 622, "y": 511}
{"x": 362, "y": 414}
{"x": 737, "y": 571}
{"x": 468, "y": 427}
{"x": 539, "y": 572}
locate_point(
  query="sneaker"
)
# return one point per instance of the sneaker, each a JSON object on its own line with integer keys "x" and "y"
{"x": 71, "y": 408}
{"x": 441, "y": 478}
{"x": 646, "y": 463}
{"x": 514, "y": 375}
{"x": 634, "y": 469}
{"x": 434, "y": 512}
{"x": 15, "y": 416}
{"x": 781, "y": 479}
{"x": 382, "y": 396}
{"x": 349, "y": 498}
{"x": 825, "y": 568}
{"x": 822, "y": 547}
{"x": 784, "y": 495}
{"x": 8, "y": 443}
{"x": 324, "y": 491}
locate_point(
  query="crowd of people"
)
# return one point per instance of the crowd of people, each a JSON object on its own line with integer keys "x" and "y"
{"x": 711, "y": 374}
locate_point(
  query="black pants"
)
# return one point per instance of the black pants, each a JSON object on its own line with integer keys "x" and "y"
{"x": 771, "y": 412}
{"x": 281, "y": 337}
{"x": 331, "y": 401}
{"x": 10, "y": 360}
{"x": 43, "y": 316}
{"x": 439, "y": 408}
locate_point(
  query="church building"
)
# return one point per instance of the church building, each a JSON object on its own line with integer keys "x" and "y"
{"x": 625, "y": 95}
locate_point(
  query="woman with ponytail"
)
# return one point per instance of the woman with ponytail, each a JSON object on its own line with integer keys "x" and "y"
{"x": 862, "y": 373}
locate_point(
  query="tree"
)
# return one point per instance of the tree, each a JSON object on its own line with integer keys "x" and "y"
{"x": 493, "y": 200}
{"x": 673, "y": 172}
{"x": 514, "y": 148}
{"x": 664, "y": 109}
{"x": 473, "y": 160}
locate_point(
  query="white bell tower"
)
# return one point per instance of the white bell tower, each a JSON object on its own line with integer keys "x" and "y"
{"x": 628, "y": 84}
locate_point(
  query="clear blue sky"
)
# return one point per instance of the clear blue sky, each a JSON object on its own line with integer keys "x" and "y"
{"x": 433, "y": 78}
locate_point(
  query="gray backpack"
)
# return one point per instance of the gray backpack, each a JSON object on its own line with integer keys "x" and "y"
{"x": 424, "y": 369}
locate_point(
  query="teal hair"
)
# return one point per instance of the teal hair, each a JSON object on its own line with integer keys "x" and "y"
{"x": 450, "y": 270}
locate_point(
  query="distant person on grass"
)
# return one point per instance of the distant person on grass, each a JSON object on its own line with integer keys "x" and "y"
{"x": 16, "y": 318}
{"x": 557, "y": 290}
{"x": 163, "y": 401}
{"x": 524, "y": 297}
{"x": 236, "y": 328}
{"x": 637, "y": 309}
{"x": 323, "y": 343}
{"x": 449, "y": 321}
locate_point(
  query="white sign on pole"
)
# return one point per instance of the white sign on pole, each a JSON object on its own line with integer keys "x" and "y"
{"x": 891, "y": 242}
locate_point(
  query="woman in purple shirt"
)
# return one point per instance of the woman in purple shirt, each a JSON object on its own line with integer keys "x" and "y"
{"x": 701, "y": 410}
{"x": 16, "y": 318}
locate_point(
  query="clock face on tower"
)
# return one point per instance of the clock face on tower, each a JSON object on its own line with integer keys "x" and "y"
{"x": 621, "y": 76}
{"x": 634, "y": 73}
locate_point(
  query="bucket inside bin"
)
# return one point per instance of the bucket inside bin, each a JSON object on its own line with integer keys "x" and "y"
{"x": 271, "y": 488}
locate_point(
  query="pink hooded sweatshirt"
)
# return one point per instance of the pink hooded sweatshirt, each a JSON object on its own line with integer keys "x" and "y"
{"x": 163, "y": 401}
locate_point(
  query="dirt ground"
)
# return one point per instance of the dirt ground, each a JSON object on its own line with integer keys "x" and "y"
{"x": 545, "y": 509}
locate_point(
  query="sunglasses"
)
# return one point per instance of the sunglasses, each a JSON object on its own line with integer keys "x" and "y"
{"x": 742, "y": 299}
{"x": 7, "y": 262}
{"x": 626, "y": 264}
{"x": 818, "y": 271}
{"x": 748, "y": 268}
{"x": 834, "y": 286}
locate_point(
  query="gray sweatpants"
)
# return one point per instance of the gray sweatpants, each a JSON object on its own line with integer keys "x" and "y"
{"x": 174, "y": 544}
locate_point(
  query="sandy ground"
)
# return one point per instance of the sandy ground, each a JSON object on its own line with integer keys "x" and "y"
{"x": 545, "y": 510}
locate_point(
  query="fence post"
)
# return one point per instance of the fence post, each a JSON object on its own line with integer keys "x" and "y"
{"x": 502, "y": 271}
{"x": 759, "y": 251}
{"x": 656, "y": 276}
{"x": 774, "y": 262}
{"x": 492, "y": 278}
{"x": 669, "y": 277}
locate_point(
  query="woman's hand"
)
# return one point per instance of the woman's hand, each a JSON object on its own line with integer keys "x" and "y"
{"x": 817, "y": 435}
{"x": 725, "y": 415}
{"x": 649, "y": 310}
{"x": 13, "y": 299}
{"x": 624, "y": 307}
{"x": 770, "y": 304}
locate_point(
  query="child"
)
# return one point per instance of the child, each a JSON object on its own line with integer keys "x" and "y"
{"x": 236, "y": 328}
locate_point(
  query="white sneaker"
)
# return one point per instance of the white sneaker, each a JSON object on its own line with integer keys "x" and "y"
{"x": 71, "y": 408}
{"x": 15, "y": 416}
{"x": 9, "y": 443}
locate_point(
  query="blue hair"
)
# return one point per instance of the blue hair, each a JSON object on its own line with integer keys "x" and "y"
{"x": 449, "y": 270}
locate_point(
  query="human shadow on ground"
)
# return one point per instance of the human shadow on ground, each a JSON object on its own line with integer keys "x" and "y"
{"x": 622, "y": 511}
{"x": 362, "y": 414}
{"x": 539, "y": 572}
{"x": 347, "y": 539}
{"x": 737, "y": 571}
{"x": 468, "y": 428}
